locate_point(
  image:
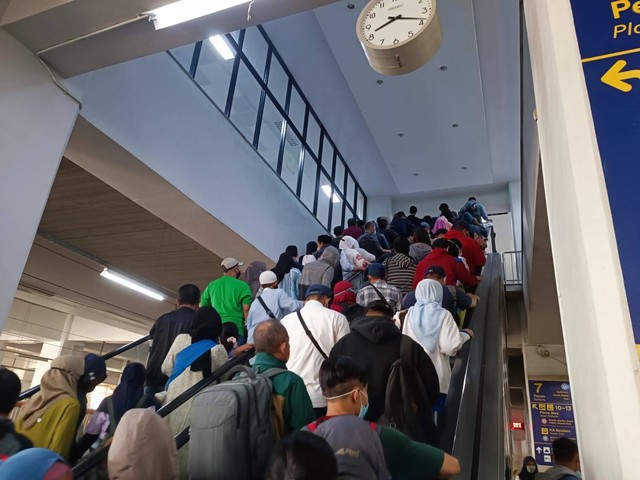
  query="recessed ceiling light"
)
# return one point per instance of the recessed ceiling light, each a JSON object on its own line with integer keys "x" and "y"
{"x": 455, "y": 125}
{"x": 443, "y": 68}
{"x": 351, "y": 6}
{"x": 379, "y": 82}
{"x": 416, "y": 174}
{"x": 401, "y": 134}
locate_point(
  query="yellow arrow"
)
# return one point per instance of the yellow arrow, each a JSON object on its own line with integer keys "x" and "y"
{"x": 615, "y": 77}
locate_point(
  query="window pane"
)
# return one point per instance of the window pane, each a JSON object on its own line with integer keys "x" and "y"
{"x": 214, "y": 74}
{"x": 327, "y": 157}
{"x": 351, "y": 192}
{"x": 255, "y": 48}
{"x": 278, "y": 81}
{"x": 296, "y": 110}
{"x": 324, "y": 196}
{"x": 291, "y": 159}
{"x": 313, "y": 134}
{"x": 184, "y": 55}
{"x": 339, "y": 178}
{"x": 246, "y": 99}
{"x": 360, "y": 204}
{"x": 308, "y": 182}
{"x": 270, "y": 132}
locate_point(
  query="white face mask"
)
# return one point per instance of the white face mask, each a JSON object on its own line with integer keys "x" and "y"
{"x": 531, "y": 469}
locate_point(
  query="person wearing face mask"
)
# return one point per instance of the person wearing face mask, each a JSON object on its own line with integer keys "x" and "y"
{"x": 230, "y": 297}
{"x": 313, "y": 331}
{"x": 271, "y": 342}
{"x": 365, "y": 449}
{"x": 567, "y": 461}
{"x": 529, "y": 469}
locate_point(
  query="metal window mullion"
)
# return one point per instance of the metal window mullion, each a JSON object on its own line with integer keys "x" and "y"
{"x": 195, "y": 59}
{"x": 234, "y": 72}
{"x": 355, "y": 198}
{"x": 263, "y": 96}
{"x": 283, "y": 132}
{"x": 344, "y": 194}
{"x": 333, "y": 188}
{"x": 317, "y": 191}
{"x": 302, "y": 154}
{"x": 364, "y": 206}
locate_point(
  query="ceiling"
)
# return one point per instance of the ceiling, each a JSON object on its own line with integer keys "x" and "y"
{"x": 87, "y": 214}
{"x": 478, "y": 91}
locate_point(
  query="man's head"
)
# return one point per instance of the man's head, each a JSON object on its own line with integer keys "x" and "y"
{"x": 352, "y": 222}
{"x": 369, "y": 227}
{"x": 9, "y": 390}
{"x": 461, "y": 226}
{"x": 292, "y": 250}
{"x": 95, "y": 372}
{"x": 188, "y": 296}
{"x": 303, "y": 455}
{"x": 231, "y": 267}
{"x": 319, "y": 293}
{"x": 379, "y": 308}
{"x": 376, "y": 271}
{"x": 337, "y": 231}
{"x": 441, "y": 243}
{"x": 323, "y": 240}
{"x": 443, "y": 207}
{"x": 271, "y": 337}
{"x": 268, "y": 279}
{"x": 383, "y": 222}
{"x": 361, "y": 223}
{"x": 565, "y": 453}
{"x": 436, "y": 273}
{"x": 440, "y": 233}
{"x": 472, "y": 199}
{"x": 400, "y": 215}
{"x": 413, "y": 210}
{"x": 402, "y": 245}
{"x": 344, "y": 385}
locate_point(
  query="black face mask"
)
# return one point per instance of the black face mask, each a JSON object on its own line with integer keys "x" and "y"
{"x": 238, "y": 273}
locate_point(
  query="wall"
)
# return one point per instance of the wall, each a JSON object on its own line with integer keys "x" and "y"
{"x": 379, "y": 207}
{"x": 35, "y": 122}
{"x": 494, "y": 201}
{"x": 153, "y": 110}
{"x": 515, "y": 198}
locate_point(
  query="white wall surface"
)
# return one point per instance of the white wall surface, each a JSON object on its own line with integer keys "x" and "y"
{"x": 515, "y": 198}
{"x": 379, "y": 207}
{"x": 601, "y": 356}
{"x": 494, "y": 202}
{"x": 153, "y": 110}
{"x": 35, "y": 123}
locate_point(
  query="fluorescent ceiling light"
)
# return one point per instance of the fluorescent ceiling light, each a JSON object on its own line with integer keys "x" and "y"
{"x": 222, "y": 47}
{"x": 185, "y": 10}
{"x": 327, "y": 190}
{"x": 132, "y": 284}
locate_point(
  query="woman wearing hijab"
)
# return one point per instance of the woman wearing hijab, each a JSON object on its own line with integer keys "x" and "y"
{"x": 191, "y": 358}
{"x": 344, "y": 301}
{"x": 321, "y": 271}
{"x": 357, "y": 261}
{"x": 35, "y": 464}
{"x": 288, "y": 274}
{"x": 529, "y": 469}
{"x": 49, "y": 418}
{"x": 143, "y": 448}
{"x": 435, "y": 330}
{"x": 127, "y": 395}
{"x": 252, "y": 276}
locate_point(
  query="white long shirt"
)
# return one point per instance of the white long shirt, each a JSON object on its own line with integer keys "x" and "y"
{"x": 327, "y": 327}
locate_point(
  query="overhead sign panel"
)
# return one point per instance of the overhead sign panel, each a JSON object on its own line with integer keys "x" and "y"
{"x": 609, "y": 40}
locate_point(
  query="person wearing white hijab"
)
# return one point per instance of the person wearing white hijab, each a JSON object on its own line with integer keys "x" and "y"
{"x": 434, "y": 328}
{"x": 143, "y": 448}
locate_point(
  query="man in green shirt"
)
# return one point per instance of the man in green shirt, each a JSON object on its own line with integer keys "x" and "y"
{"x": 229, "y": 296}
{"x": 343, "y": 384}
{"x": 293, "y": 405}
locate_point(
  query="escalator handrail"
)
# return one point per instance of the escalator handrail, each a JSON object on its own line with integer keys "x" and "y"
{"x": 114, "y": 353}
{"x": 100, "y": 454}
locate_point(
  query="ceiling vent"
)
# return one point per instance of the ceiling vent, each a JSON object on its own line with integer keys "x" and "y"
{"x": 289, "y": 136}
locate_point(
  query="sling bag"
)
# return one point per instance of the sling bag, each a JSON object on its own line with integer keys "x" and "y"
{"x": 266, "y": 309}
{"x": 310, "y": 335}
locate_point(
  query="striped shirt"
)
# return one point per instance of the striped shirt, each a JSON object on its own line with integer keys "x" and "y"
{"x": 401, "y": 269}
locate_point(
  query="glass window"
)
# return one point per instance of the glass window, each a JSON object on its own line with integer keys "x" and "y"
{"x": 270, "y": 133}
{"x": 313, "y": 134}
{"x": 291, "y": 159}
{"x": 278, "y": 81}
{"x": 351, "y": 191}
{"x": 325, "y": 195}
{"x": 246, "y": 98}
{"x": 184, "y": 55}
{"x": 327, "y": 158}
{"x": 296, "y": 110}
{"x": 339, "y": 178}
{"x": 360, "y": 204}
{"x": 214, "y": 74}
{"x": 308, "y": 182}
{"x": 255, "y": 49}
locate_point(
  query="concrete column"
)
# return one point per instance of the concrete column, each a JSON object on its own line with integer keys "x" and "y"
{"x": 53, "y": 350}
{"x": 36, "y": 119}
{"x": 601, "y": 356}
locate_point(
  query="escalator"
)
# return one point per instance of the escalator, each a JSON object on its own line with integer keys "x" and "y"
{"x": 475, "y": 422}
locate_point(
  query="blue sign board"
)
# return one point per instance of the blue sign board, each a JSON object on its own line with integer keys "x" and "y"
{"x": 551, "y": 416}
{"x": 609, "y": 40}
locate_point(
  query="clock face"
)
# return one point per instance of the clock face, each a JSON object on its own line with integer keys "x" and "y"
{"x": 392, "y": 22}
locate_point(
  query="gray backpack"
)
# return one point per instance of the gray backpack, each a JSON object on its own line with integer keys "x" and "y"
{"x": 232, "y": 427}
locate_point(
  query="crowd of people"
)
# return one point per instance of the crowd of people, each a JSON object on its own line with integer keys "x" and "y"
{"x": 352, "y": 343}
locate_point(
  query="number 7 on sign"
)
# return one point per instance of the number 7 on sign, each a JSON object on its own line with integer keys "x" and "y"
{"x": 538, "y": 387}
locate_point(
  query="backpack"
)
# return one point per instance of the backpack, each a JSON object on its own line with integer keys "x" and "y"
{"x": 356, "y": 445}
{"x": 407, "y": 407}
{"x": 234, "y": 427}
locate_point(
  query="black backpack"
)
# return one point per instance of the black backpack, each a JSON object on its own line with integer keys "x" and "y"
{"x": 407, "y": 407}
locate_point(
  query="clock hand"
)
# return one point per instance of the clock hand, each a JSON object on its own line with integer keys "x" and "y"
{"x": 392, "y": 19}
{"x": 412, "y": 18}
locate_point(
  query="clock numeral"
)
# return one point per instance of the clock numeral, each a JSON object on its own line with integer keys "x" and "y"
{"x": 421, "y": 22}
{"x": 368, "y": 27}
{"x": 371, "y": 37}
{"x": 381, "y": 4}
{"x": 372, "y": 15}
{"x": 382, "y": 41}
{"x": 424, "y": 10}
{"x": 420, "y": 1}
{"x": 396, "y": 41}
{"x": 410, "y": 33}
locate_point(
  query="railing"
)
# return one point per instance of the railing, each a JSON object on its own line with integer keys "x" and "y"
{"x": 512, "y": 267}
{"x": 93, "y": 460}
{"x": 114, "y": 353}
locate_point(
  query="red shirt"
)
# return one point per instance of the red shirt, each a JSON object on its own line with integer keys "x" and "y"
{"x": 471, "y": 251}
{"x": 454, "y": 269}
{"x": 355, "y": 232}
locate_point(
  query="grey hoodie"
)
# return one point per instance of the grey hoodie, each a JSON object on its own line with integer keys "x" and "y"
{"x": 558, "y": 472}
{"x": 419, "y": 251}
